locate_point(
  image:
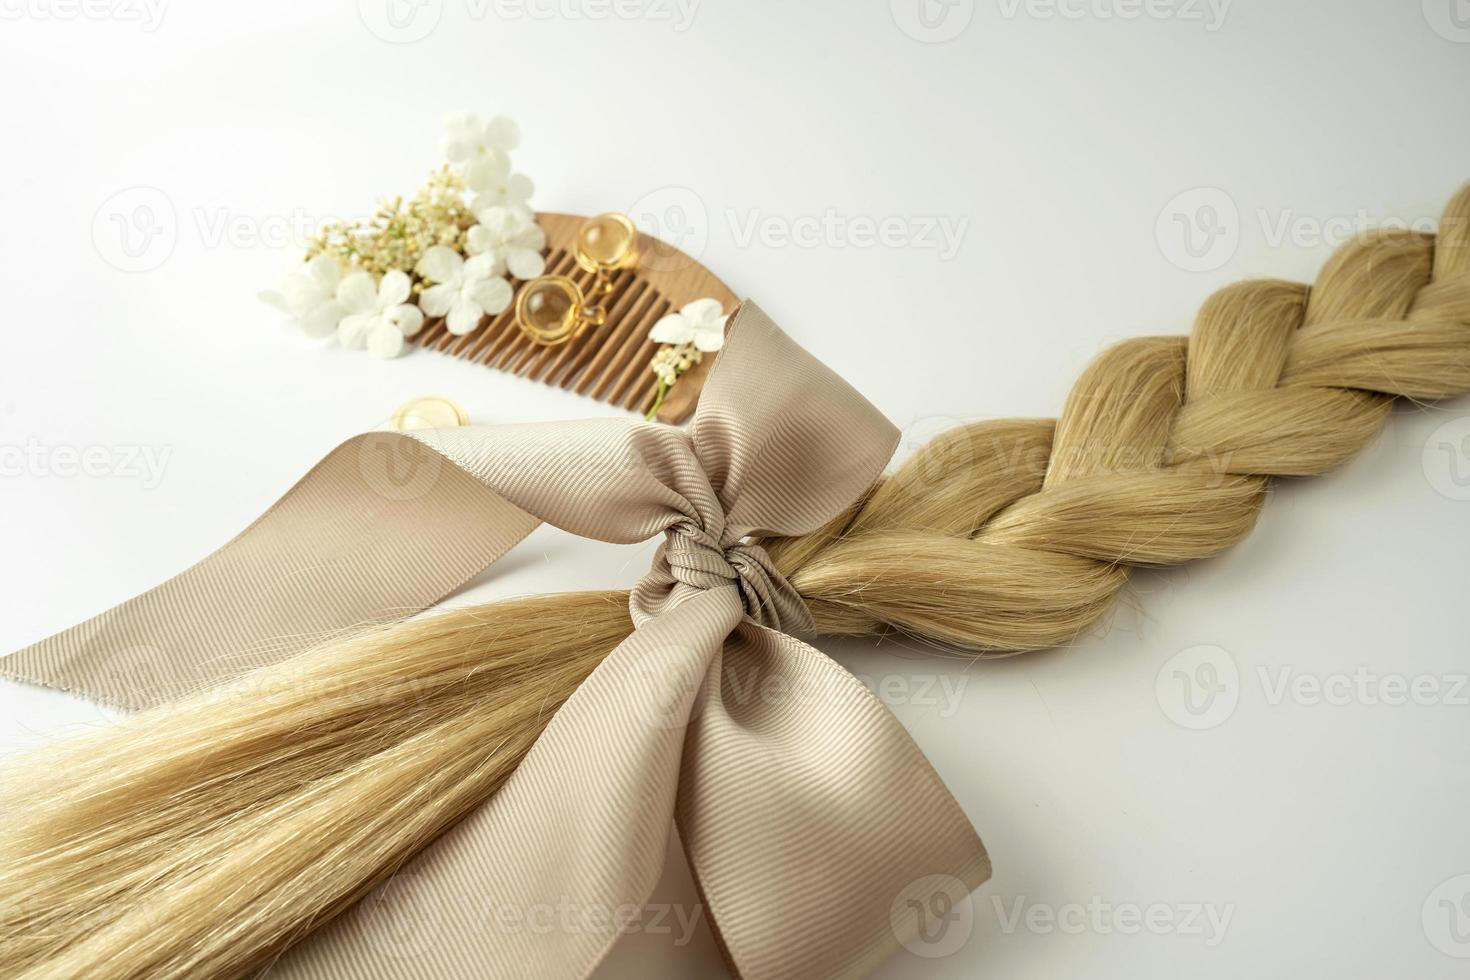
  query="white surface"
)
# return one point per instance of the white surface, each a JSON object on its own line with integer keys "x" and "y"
{"x": 1056, "y": 137}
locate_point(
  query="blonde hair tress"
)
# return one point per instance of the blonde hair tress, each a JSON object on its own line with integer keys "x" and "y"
{"x": 203, "y": 838}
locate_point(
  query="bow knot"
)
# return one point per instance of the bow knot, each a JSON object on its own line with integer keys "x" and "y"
{"x": 690, "y": 558}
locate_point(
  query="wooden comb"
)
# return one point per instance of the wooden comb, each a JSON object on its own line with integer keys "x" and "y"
{"x": 607, "y": 362}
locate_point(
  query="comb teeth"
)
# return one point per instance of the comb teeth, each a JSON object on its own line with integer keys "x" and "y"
{"x": 609, "y": 362}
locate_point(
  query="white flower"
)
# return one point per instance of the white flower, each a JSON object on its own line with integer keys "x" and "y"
{"x": 465, "y": 291}
{"x": 377, "y": 317}
{"x": 701, "y": 323}
{"x": 482, "y": 147}
{"x": 309, "y": 296}
{"x": 512, "y": 237}
{"x": 504, "y": 190}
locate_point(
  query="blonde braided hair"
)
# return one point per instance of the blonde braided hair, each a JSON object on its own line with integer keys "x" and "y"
{"x": 202, "y": 838}
{"x": 1016, "y": 535}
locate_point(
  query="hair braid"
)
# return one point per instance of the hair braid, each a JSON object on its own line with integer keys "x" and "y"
{"x": 1015, "y": 535}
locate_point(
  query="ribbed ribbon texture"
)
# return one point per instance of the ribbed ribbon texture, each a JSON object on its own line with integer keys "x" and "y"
{"x": 817, "y": 832}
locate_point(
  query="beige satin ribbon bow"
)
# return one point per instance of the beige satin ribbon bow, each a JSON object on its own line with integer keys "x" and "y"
{"x": 818, "y": 834}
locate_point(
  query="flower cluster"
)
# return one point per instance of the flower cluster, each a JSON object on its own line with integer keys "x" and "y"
{"x": 697, "y": 329}
{"x": 445, "y": 252}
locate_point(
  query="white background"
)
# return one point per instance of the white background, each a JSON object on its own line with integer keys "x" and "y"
{"x": 1057, "y": 139}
